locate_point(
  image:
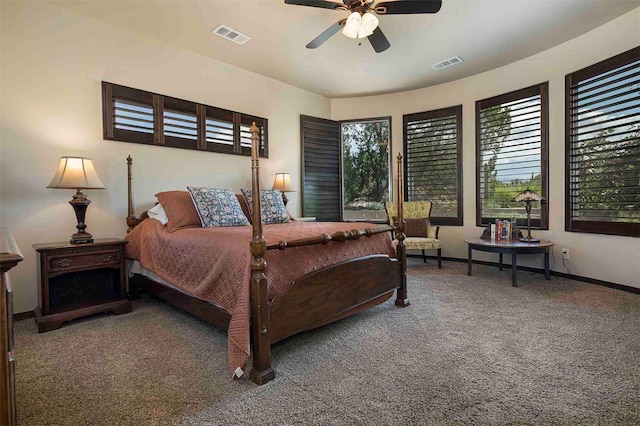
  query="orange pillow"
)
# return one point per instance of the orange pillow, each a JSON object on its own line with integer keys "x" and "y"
{"x": 180, "y": 210}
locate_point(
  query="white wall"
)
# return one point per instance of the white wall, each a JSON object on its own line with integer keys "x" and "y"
{"x": 604, "y": 257}
{"x": 50, "y": 105}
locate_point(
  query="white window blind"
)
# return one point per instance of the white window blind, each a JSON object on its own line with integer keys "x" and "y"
{"x": 129, "y": 115}
{"x": 179, "y": 124}
{"x": 219, "y": 132}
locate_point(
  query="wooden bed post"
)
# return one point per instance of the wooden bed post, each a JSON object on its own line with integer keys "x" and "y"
{"x": 260, "y": 334}
{"x": 402, "y": 298}
{"x": 132, "y": 221}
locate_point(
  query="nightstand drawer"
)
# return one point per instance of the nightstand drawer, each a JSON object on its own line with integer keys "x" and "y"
{"x": 83, "y": 261}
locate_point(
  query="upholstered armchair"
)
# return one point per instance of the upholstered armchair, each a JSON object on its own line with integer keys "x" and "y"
{"x": 421, "y": 235}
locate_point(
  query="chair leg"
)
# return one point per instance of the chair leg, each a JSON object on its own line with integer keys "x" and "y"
{"x": 439, "y": 258}
{"x": 424, "y": 257}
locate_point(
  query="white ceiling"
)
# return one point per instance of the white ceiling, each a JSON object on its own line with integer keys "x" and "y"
{"x": 486, "y": 34}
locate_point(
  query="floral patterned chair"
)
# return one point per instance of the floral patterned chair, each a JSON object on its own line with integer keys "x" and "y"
{"x": 421, "y": 235}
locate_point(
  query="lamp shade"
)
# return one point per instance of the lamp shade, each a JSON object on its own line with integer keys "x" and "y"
{"x": 368, "y": 25}
{"x": 353, "y": 25}
{"x": 527, "y": 195}
{"x": 283, "y": 182}
{"x": 76, "y": 173}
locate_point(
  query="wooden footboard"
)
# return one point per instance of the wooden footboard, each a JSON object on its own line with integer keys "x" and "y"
{"x": 333, "y": 293}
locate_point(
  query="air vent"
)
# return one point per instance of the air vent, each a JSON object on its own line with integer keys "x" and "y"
{"x": 447, "y": 63}
{"x": 230, "y": 34}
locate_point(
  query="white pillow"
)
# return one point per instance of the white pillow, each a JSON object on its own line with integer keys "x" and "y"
{"x": 158, "y": 214}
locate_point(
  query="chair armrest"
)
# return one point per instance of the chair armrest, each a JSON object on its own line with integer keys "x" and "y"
{"x": 431, "y": 233}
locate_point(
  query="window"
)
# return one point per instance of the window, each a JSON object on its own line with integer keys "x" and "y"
{"x": 366, "y": 169}
{"x": 132, "y": 115}
{"x": 511, "y": 151}
{"x": 602, "y": 157}
{"x": 433, "y": 162}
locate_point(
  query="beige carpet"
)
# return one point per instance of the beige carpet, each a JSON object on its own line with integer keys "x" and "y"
{"x": 469, "y": 350}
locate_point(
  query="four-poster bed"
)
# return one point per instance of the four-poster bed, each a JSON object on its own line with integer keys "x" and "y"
{"x": 361, "y": 278}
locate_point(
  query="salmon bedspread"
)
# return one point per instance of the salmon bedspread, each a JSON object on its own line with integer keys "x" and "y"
{"x": 213, "y": 264}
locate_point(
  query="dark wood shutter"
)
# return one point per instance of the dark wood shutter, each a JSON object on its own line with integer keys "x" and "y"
{"x": 433, "y": 162}
{"x": 133, "y": 115}
{"x": 603, "y": 147}
{"x": 321, "y": 169}
{"x": 179, "y": 123}
{"x": 511, "y": 155}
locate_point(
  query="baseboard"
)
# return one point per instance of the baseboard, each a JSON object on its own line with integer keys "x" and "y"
{"x": 23, "y": 316}
{"x": 595, "y": 281}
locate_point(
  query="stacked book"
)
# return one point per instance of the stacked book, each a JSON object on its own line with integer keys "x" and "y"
{"x": 504, "y": 229}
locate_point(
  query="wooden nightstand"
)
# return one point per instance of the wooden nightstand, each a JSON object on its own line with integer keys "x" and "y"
{"x": 76, "y": 280}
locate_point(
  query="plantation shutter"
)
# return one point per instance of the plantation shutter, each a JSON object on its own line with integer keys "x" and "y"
{"x": 219, "y": 133}
{"x": 133, "y": 115}
{"x": 433, "y": 162}
{"x": 511, "y": 144}
{"x": 129, "y": 114}
{"x": 603, "y": 147}
{"x": 321, "y": 169}
{"x": 179, "y": 123}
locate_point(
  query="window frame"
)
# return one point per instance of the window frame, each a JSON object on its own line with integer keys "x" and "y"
{"x": 112, "y": 92}
{"x": 593, "y": 227}
{"x": 456, "y": 111}
{"x": 541, "y": 89}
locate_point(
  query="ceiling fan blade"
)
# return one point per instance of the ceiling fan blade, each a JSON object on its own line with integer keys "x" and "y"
{"x": 316, "y": 42}
{"x": 315, "y": 3}
{"x": 408, "y": 7}
{"x": 379, "y": 41}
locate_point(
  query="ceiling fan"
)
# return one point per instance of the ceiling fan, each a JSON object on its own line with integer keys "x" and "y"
{"x": 362, "y": 21}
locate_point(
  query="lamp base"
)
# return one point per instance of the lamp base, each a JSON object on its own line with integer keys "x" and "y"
{"x": 80, "y": 204}
{"x": 84, "y": 238}
{"x": 529, "y": 240}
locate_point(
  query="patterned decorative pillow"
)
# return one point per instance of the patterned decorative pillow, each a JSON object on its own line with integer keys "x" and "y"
{"x": 273, "y": 209}
{"x": 217, "y": 207}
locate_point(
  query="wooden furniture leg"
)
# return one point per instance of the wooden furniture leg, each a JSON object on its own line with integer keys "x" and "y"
{"x": 500, "y": 261}
{"x": 261, "y": 372}
{"x": 547, "y": 274}
{"x": 439, "y": 258}
{"x": 424, "y": 257}
{"x": 402, "y": 299}
{"x": 470, "y": 260}
{"x": 514, "y": 268}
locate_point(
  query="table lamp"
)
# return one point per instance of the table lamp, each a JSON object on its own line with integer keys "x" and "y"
{"x": 283, "y": 183}
{"x": 528, "y": 196}
{"x": 77, "y": 173}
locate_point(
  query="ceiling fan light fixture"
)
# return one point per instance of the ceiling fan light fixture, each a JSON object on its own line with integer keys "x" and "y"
{"x": 352, "y": 26}
{"x": 369, "y": 23}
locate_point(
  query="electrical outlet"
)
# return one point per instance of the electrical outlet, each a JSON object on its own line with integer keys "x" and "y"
{"x": 565, "y": 254}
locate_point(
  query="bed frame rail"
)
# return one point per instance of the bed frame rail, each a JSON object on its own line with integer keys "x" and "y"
{"x": 340, "y": 236}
